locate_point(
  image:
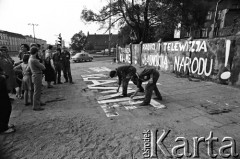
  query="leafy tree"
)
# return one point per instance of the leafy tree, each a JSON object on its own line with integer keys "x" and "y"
{"x": 194, "y": 13}
{"x": 150, "y": 20}
{"x": 141, "y": 16}
{"x": 78, "y": 41}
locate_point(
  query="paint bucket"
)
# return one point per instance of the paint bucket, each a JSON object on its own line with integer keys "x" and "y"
{"x": 226, "y": 73}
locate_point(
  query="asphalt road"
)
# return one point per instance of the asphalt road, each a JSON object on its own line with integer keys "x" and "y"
{"x": 75, "y": 124}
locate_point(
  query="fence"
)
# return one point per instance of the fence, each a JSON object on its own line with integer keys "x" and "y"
{"x": 209, "y": 59}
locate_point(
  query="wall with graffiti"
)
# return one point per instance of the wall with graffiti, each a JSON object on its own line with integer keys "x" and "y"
{"x": 207, "y": 59}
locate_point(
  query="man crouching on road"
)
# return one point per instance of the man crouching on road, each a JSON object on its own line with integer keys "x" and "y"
{"x": 124, "y": 74}
{"x": 151, "y": 75}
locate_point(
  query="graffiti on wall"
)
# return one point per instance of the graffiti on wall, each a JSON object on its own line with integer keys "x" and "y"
{"x": 216, "y": 59}
{"x": 125, "y": 55}
{"x": 191, "y": 46}
{"x": 197, "y": 65}
{"x": 151, "y": 55}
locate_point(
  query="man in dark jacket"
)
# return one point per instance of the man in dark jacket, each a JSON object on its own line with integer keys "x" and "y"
{"x": 6, "y": 107}
{"x": 66, "y": 67}
{"x": 58, "y": 59}
{"x": 151, "y": 75}
{"x": 124, "y": 74}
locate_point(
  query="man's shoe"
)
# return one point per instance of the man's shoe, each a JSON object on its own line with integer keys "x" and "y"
{"x": 71, "y": 82}
{"x": 38, "y": 109}
{"x": 66, "y": 82}
{"x": 143, "y": 104}
{"x": 59, "y": 82}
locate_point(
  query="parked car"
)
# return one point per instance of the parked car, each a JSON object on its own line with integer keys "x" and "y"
{"x": 82, "y": 56}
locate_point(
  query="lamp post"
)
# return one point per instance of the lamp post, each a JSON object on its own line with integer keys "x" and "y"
{"x": 215, "y": 18}
{"x": 33, "y": 30}
{"x": 109, "y": 36}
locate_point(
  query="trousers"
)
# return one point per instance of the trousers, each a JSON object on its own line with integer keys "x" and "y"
{"x": 150, "y": 87}
{"x": 37, "y": 85}
{"x": 58, "y": 68}
{"x": 67, "y": 73}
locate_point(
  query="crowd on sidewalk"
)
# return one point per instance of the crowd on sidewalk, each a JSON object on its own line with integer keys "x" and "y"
{"x": 24, "y": 78}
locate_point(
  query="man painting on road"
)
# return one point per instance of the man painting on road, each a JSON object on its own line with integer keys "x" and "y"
{"x": 151, "y": 75}
{"x": 124, "y": 74}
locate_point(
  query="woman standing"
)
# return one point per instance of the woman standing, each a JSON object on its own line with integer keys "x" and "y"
{"x": 50, "y": 70}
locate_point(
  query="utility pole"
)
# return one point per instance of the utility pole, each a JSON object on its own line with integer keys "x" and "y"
{"x": 109, "y": 38}
{"x": 33, "y": 30}
{"x": 215, "y": 18}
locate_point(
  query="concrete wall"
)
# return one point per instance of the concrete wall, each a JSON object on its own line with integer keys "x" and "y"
{"x": 206, "y": 59}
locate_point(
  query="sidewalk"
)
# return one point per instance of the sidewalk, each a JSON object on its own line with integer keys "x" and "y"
{"x": 196, "y": 108}
{"x": 73, "y": 125}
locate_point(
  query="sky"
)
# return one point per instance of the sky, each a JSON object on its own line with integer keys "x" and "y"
{"x": 52, "y": 16}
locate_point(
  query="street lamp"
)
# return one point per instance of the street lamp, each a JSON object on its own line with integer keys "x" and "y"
{"x": 109, "y": 36}
{"x": 215, "y": 18}
{"x": 33, "y": 30}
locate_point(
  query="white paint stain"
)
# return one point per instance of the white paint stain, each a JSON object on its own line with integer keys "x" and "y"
{"x": 99, "y": 69}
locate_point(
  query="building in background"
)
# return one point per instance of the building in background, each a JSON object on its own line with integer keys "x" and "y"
{"x": 4, "y": 38}
{"x": 219, "y": 21}
{"x": 101, "y": 41}
{"x": 14, "y": 40}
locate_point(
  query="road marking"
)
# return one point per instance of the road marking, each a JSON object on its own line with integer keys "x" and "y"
{"x": 104, "y": 88}
{"x": 99, "y": 69}
{"x": 94, "y": 75}
{"x": 109, "y": 105}
{"x": 119, "y": 99}
{"x": 130, "y": 82}
{"x": 97, "y": 83}
{"x": 156, "y": 104}
{"x": 113, "y": 95}
{"x": 109, "y": 111}
{"x": 114, "y": 91}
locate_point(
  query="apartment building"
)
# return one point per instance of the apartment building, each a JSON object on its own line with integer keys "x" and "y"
{"x": 219, "y": 20}
{"x": 14, "y": 40}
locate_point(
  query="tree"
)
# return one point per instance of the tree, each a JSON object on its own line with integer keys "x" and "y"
{"x": 78, "y": 41}
{"x": 194, "y": 13}
{"x": 141, "y": 16}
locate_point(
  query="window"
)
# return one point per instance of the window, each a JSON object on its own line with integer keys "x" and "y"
{"x": 204, "y": 32}
{"x": 220, "y": 14}
{"x": 209, "y": 15}
{"x": 236, "y": 6}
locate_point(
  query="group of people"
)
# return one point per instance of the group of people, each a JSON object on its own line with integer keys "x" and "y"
{"x": 25, "y": 77}
{"x": 129, "y": 72}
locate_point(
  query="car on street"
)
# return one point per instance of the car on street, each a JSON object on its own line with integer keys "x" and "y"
{"x": 82, "y": 56}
